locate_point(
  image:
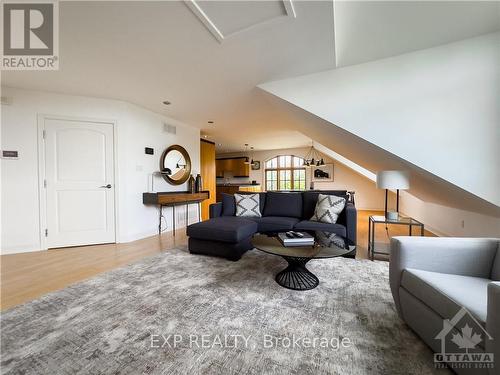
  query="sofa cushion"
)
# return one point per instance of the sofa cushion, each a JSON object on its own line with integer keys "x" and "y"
{"x": 324, "y": 227}
{"x": 247, "y": 205}
{"x": 309, "y": 199}
{"x": 224, "y": 229}
{"x": 228, "y": 205}
{"x": 447, "y": 293}
{"x": 328, "y": 208}
{"x": 274, "y": 223}
{"x": 283, "y": 204}
{"x": 262, "y": 199}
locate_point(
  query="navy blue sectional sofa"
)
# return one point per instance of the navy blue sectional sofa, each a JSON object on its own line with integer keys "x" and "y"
{"x": 229, "y": 236}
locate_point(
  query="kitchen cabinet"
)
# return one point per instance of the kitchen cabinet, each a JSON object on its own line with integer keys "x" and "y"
{"x": 234, "y": 167}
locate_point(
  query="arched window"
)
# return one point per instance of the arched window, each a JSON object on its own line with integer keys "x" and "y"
{"x": 285, "y": 172}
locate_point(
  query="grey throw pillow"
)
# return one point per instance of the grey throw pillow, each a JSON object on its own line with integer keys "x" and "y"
{"x": 247, "y": 205}
{"x": 328, "y": 208}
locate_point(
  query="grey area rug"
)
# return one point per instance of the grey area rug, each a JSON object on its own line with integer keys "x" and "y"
{"x": 229, "y": 318}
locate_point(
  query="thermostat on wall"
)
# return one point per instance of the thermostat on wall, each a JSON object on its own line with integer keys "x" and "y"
{"x": 10, "y": 154}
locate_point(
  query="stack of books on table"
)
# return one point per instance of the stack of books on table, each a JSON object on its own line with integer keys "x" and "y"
{"x": 293, "y": 238}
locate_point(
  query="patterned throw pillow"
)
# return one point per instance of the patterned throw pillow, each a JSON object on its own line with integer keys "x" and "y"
{"x": 328, "y": 208}
{"x": 247, "y": 205}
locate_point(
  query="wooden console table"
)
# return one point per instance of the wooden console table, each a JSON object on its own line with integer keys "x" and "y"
{"x": 172, "y": 199}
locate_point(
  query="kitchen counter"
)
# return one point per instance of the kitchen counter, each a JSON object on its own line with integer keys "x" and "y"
{"x": 242, "y": 184}
{"x": 234, "y": 188}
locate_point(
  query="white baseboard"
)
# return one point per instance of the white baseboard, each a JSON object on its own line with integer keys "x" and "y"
{"x": 18, "y": 249}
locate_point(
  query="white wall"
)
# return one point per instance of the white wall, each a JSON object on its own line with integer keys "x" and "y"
{"x": 367, "y": 196}
{"x": 447, "y": 221}
{"x": 436, "y": 108}
{"x": 136, "y": 128}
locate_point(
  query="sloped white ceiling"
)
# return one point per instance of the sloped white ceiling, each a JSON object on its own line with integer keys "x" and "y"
{"x": 436, "y": 109}
{"x": 373, "y": 30}
{"x": 147, "y": 52}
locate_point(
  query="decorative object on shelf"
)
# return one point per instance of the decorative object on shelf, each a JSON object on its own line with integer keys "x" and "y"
{"x": 313, "y": 158}
{"x": 153, "y": 175}
{"x": 175, "y": 165}
{"x": 322, "y": 174}
{"x": 198, "y": 184}
{"x": 256, "y": 165}
{"x": 399, "y": 180}
{"x": 192, "y": 184}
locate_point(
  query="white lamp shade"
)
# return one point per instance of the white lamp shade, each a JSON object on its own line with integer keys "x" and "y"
{"x": 393, "y": 180}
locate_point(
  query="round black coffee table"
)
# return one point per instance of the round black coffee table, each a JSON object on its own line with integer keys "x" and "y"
{"x": 296, "y": 276}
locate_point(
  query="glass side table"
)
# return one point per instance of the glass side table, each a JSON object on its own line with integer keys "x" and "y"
{"x": 378, "y": 219}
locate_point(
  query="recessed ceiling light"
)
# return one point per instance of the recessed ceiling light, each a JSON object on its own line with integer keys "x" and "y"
{"x": 210, "y": 122}
{"x": 166, "y": 102}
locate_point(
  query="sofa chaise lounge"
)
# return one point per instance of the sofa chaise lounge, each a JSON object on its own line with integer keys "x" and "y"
{"x": 226, "y": 235}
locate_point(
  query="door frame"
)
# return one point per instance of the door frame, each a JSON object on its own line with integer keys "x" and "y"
{"x": 42, "y": 193}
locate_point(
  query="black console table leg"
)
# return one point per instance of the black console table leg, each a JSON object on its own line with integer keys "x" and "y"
{"x": 173, "y": 218}
{"x": 160, "y": 214}
{"x": 296, "y": 276}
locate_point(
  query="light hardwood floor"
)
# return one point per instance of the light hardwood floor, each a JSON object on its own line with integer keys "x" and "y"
{"x": 29, "y": 275}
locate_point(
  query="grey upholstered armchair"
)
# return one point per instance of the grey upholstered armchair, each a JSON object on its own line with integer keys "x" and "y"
{"x": 433, "y": 279}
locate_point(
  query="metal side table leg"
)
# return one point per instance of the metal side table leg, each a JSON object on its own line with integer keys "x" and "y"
{"x": 369, "y": 235}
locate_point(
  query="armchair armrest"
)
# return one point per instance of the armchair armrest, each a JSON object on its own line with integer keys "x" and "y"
{"x": 215, "y": 210}
{"x": 458, "y": 256}
{"x": 493, "y": 323}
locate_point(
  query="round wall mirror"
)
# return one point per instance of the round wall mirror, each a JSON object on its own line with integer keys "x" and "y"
{"x": 175, "y": 165}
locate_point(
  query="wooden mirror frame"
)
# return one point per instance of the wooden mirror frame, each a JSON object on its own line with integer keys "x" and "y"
{"x": 184, "y": 153}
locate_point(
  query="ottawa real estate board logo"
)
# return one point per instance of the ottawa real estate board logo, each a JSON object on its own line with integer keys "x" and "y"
{"x": 30, "y": 35}
{"x": 464, "y": 344}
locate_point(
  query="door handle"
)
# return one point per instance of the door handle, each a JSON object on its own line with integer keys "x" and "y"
{"x": 108, "y": 186}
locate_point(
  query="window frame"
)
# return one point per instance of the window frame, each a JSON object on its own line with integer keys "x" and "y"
{"x": 278, "y": 169}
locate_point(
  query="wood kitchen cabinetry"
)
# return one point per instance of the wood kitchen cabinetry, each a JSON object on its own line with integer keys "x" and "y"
{"x": 207, "y": 171}
{"x": 235, "y": 167}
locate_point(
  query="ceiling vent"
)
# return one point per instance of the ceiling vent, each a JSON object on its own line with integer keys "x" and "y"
{"x": 171, "y": 129}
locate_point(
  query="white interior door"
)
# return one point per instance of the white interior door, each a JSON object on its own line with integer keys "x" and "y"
{"x": 79, "y": 183}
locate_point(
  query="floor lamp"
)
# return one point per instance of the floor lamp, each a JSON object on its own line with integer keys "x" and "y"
{"x": 394, "y": 180}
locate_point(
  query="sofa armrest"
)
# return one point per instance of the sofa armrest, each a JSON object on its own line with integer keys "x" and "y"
{"x": 351, "y": 221}
{"x": 459, "y": 256}
{"x": 215, "y": 210}
{"x": 493, "y": 323}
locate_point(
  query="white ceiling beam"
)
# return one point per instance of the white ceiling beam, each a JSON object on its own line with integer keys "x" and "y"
{"x": 290, "y": 9}
{"x": 196, "y": 9}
